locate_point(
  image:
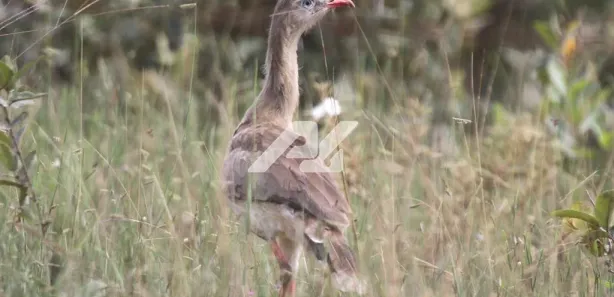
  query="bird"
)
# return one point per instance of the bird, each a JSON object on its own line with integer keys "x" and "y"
{"x": 292, "y": 210}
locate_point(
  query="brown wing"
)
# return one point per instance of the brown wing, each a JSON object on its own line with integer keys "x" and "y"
{"x": 313, "y": 192}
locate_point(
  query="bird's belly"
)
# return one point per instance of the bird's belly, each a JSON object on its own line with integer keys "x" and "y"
{"x": 268, "y": 220}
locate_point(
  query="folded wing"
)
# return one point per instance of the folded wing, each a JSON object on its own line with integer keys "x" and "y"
{"x": 284, "y": 182}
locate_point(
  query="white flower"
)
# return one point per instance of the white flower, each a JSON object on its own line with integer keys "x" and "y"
{"x": 328, "y": 107}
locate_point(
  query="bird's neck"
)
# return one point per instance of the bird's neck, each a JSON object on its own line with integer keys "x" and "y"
{"x": 279, "y": 97}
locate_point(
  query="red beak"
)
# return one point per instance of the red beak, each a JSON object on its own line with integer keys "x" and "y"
{"x": 340, "y": 3}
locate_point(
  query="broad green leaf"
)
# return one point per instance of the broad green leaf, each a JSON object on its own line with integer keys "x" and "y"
{"x": 557, "y": 76}
{"x": 6, "y": 59}
{"x": 4, "y": 199}
{"x": 570, "y": 213}
{"x": 6, "y": 157}
{"x": 6, "y": 153}
{"x": 572, "y": 224}
{"x": 5, "y": 139}
{"x": 543, "y": 29}
{"x": 6, "y": 76}
{"x": 603, "y": 208}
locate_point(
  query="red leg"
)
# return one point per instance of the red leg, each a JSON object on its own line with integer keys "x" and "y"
{"x": 288, "y": 288}
{"x": 288, "y": 285}
{"x": 279, "y": 254}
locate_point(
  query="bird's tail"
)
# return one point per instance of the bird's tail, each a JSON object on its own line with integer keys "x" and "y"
{"x": 342, "y": 263}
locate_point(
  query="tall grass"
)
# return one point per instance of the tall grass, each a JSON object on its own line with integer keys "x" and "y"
{"x": 137, "y": 208}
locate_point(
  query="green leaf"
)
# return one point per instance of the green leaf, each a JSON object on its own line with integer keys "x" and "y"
{"x": 26, "y": 167}
{"x": 29, "y": 159}
{"x": 24, "y": 70}
{"x": 24, "y": 214}
{"x": 574, "y": 214}
{"x": 603, "y": 208}
{"x": 595, "y": 242}
{"x": 5, "y": 139}
{"x": 10, "y": 183}
{"x": 23, "y": 194}
{"x": 577, "y": 88}
{"x": 584, "y": 152}
{"x": 543, "y": 29}
{"x": 596, "y": 248}
{"x": 6, "y": 153}
{"x": 601, "y": 97}
{"x": 596, "y": 234}
{"x": 557, "y": 76}
{"x": 23, "y": 102}
{"x": 605, "y": 140}
{"x": 19, "y": 119}
{"x": 6, "y": 76}
{"x": 6, "y": 157}
{"x": 607, "y": 284}
{"x": 576, "y": 116}
{"x": 25, "y": 97}
{"x": 499, "y": 114}
{"x": 18, "y": 134}
{"x": 575, "y": 224}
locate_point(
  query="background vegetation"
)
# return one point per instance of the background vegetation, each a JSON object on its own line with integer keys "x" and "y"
{"x": 477, "y": 119}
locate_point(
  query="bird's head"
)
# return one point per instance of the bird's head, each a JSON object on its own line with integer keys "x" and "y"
{"x": 300, "y": 15}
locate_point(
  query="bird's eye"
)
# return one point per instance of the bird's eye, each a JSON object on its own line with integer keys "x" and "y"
{"x": 308, "y": 3}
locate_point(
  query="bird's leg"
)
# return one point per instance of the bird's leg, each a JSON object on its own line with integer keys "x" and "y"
{"x": 279, "y": 254}
{"x": 288, "y": 285}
